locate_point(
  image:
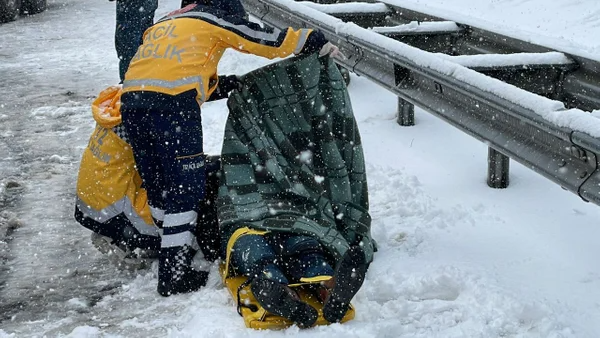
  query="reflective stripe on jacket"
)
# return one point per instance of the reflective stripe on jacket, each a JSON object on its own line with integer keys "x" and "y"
{"x": 181, "y": 51}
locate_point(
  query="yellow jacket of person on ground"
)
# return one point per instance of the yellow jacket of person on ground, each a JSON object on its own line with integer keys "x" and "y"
{"x": 108, "y": 183}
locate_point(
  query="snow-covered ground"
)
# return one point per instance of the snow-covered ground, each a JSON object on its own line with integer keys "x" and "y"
{"x": 571, "y": 26}
{"x": 456, "y": 258}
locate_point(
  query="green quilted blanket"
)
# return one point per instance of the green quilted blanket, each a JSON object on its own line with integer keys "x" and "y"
{"x": 292, "y": 159}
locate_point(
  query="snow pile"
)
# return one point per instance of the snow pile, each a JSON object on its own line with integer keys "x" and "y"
{"x": 420, "y": 27}
{"x": 456, "y": 258}
{"x": 565, "y": 25}
{"x": 504, "y": 60}
{"x": 350, "y": 7}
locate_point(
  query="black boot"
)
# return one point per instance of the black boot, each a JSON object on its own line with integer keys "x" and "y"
{"x": 175, "y": 274}
{"x": 349, "y": 275}
{"x": 279, "y": 299}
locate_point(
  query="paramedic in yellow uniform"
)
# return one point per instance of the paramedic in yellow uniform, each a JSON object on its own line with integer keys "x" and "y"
{"x": 111, "y": 200}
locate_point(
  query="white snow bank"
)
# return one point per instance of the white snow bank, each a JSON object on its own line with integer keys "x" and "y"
{"x": 503, "y": 60}
{"x": 565, "y": 25}
{"x": 575, "y": 119}
{"x": 418, "y": 27}
{"x": 348, "y": 7}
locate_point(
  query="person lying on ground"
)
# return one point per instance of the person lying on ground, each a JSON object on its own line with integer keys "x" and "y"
{"x": 273, "y": 261}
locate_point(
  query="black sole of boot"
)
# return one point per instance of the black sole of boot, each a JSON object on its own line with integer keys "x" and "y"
{"x": 277, "y": 299}
{"x": 349, "y": 277}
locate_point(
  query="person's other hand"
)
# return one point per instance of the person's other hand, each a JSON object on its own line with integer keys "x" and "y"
{"x": 331, "y": 50}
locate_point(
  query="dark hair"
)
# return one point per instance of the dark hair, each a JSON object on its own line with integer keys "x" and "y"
{"x": 231, "y": 7}
{"x": 198, "y": 2}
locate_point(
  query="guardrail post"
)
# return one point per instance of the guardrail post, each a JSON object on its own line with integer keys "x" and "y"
{"x": 498, "y": 169}
{"x": 406, "y": 113}
{"x": 406, "y": 110}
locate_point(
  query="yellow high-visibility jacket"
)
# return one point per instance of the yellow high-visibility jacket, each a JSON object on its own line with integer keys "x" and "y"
{"x": 108, "y": 183}
{"x": 181, "y": 51}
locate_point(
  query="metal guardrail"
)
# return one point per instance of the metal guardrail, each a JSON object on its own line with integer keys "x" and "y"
{"x": 510, "y": 127}
{"x": 578, "y": 88}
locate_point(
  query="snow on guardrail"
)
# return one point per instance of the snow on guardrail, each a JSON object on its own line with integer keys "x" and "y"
{"x": 354, "y": 7}
{"x": 416, "y": 27}
{"x": 515, "y": 59}
{"x": 550, "y": 110}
